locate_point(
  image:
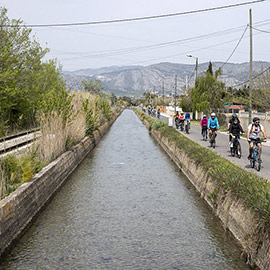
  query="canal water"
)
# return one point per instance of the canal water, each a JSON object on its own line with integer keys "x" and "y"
{"x": 126, "y": 207}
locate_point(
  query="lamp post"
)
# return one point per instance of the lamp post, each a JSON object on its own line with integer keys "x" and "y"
{"x": 196, "y": 67}
{"x": 196, "y": 76}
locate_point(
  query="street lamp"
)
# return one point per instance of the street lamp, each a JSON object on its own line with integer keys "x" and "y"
{"x": 196, "y": 68}
{"x": 196, "y": 76}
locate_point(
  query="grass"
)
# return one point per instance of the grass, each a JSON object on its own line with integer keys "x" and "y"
{"x": 254, "y": 190}
{"x": 60, "y": 130}
{"x": 17, "y": 170}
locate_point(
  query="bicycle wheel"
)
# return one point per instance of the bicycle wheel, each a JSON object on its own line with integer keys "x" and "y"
{"x": 214, "y": 141}
{"x": 205, "y": 134}
{"x": 252, "y": 162}
{"x": 258, "y": 162}
{"x": 238, "y": 150}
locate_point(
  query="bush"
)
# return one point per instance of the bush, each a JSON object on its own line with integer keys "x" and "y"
{"x": 16, "y": 171}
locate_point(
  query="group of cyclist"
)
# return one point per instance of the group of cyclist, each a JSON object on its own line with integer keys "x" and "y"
{"x": 182, "y": 120}
{"x": 254, "y": 130}
{"x": 211, "y": 124}
{"x": 152, "y": 111}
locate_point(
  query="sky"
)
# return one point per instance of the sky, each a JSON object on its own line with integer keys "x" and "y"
{"x": 208, "y": 36}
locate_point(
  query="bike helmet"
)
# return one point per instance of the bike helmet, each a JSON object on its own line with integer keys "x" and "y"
{"x": 213, "y": 114}
{"x": 204, "y": 116}
{"x": 256, "y": 119}
{"x": 182, "y": 113}
{"x": 234, "y": 116}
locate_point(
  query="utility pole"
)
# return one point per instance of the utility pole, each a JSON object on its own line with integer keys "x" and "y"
{"x": 196, "y": 70}
{"x": 250, "y": 67}
{"x": 163, "y": 93}
{"x": 175, "y": 86}
{"x": 187, "y": 86}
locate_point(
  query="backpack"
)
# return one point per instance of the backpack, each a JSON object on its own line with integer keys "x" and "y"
{"x": 254, "y": 125}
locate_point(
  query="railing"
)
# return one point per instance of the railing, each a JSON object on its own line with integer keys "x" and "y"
{"x": 17, "y": 141}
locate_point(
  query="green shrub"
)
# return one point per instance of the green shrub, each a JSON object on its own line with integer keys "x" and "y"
{"x": 158, "y": 124}
{"x": 105, "y": 108}
{"x": 92, "y": 114}
{"x": 16, "y": 171}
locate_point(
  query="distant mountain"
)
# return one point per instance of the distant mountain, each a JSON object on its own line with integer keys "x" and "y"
{"x": 135, "y": 80}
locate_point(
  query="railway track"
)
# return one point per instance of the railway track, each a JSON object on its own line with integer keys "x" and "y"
{"x": 22, "y": 140}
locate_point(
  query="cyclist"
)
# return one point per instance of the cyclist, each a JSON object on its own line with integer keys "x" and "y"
{"x": 235, "y": 129}
{"x": 203, "y": 124}
{"x": 187, "y": 118}
{"x": 253, "y": 135}
{"x": 176, "y": 117}
{"x": 149, "y": 110}
{"x": 182, "y": 117}
{"x": 212, "y": 125}
{"x": 154, "y": 112}
{"x": 158, "y": 113}
{"x": 234, "y": 116}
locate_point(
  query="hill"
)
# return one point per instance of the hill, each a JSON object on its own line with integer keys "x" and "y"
{"x": 135, "y": 80}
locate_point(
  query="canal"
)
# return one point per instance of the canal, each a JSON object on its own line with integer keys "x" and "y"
{"x": 125, "y": 207}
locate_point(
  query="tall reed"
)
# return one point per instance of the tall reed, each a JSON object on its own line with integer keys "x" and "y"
{"x": 63, "y": 122}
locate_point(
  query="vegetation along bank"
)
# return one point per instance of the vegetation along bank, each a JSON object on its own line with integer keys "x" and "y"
{"x": 20, "y": 207}
{"x": 34, "y": 94}
{"x": 240, "y": 199}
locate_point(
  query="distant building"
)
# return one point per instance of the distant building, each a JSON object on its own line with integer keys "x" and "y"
{"x": 233, "y": 108}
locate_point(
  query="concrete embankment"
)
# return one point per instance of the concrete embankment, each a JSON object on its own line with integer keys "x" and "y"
{"x": 244, "y": 223}
{"x": 20, "y": 207}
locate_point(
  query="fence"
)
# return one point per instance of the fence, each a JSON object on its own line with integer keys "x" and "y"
{"x": 244, "y": 118}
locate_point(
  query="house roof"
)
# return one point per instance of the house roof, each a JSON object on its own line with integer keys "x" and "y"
{"x": 235, "y": 107}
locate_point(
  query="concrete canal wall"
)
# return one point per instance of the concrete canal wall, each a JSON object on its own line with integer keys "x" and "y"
{"x": 245, "y": 225}
{"x": 20, "y": 207}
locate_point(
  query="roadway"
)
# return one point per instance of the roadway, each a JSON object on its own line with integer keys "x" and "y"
{"x": 222, "y": 148}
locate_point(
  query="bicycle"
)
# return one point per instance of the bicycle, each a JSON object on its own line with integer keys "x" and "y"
{"x": 177, "y": 123}
{"x": 213, "y": 138}
{"x": 187, "y": 126}
{"x": 236, "y": 149}
{"x": 182, "y": 125}
{"x": 255, "y": 160}
{"x": 204, "y": 133}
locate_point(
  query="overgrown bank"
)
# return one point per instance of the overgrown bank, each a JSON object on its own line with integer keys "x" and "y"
{"x": 67, "y": 118}
{"x": 240, "y": 199}
{"x": 20, "y": 207}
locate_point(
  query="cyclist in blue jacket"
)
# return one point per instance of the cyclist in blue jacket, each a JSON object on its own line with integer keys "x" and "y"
{"x": 187, "y": 119}
{"x": 212, "y": 125}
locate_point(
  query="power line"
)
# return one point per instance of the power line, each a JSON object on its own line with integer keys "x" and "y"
{"x": 255, "y": 77}
{"x": 234, "y": 48}
{"x": 108, "y": 53}
{"x": 192, "y": 75}
{"x": 138, "y": 18}
{"x": 268, "y": 32}
{"x": 114, "y": 53}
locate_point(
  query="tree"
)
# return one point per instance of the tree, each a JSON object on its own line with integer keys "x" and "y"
{"x": 23, "y": 77}
{"x": 208, "y": 93}
{"x": 92, "y": 85}
{"x": 186, "y": 103}
{"x": 261, "y": 92}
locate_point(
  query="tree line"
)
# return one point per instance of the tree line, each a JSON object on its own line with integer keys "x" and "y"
{"x": 25, "y": 80}
{"x": 210, "y": 94}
